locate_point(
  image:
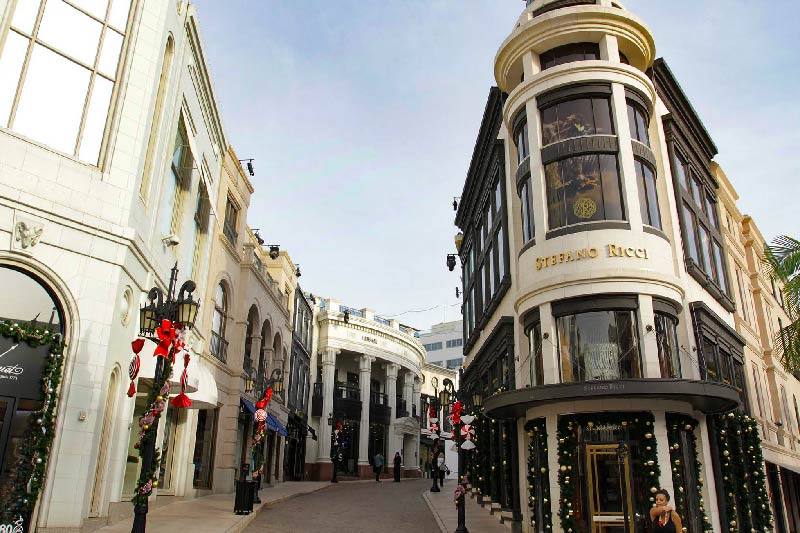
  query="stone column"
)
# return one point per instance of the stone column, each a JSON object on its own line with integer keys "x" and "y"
{"x": 391, "y": 393}
{"x": 328, "y": 377}
{"x": 416, "y": 396}
{"x": 365, "y": 372}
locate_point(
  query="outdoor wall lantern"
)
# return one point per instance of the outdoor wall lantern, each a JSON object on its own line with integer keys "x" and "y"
{"x": 274, "y": 251}
{"x": 451, "y": 262}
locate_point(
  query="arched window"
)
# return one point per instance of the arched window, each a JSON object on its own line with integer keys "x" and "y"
{"x": 219, "y": 345}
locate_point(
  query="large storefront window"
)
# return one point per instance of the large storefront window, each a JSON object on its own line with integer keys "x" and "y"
{"x": 598, "y": 345}
{"x": 585, "y": 188}
{"x": 203, "y": 457}
{"x": 576, "y": 118}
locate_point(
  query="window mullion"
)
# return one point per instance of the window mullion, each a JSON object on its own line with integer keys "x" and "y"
{"x": 25, "y": 64}
{"x": 90, "y": 90}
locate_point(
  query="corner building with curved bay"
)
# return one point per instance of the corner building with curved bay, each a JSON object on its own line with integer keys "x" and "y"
{"x": 598, "y": 308}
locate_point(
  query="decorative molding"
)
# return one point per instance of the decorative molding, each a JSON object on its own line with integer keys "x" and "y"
{"x": 590, "y": 144}
{"x": 523, "y": 170}
{"x": 642, "y": 151}
{"x": 27, "y": 234}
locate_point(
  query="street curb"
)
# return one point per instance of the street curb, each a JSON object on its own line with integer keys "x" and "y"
{"x": 248, "y": 519}
{"x": 434, "y": 513}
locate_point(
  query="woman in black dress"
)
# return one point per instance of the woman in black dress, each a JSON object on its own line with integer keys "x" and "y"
{"x": 664, "y": 517}
{"x": 397, "y": 461}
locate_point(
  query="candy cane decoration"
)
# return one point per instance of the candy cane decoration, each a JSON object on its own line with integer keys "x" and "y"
{"x": 133, "y": 368}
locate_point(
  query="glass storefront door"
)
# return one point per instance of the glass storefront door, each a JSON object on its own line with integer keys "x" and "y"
{"x": 609, "y": 489}
{"x": 167, "y": 452}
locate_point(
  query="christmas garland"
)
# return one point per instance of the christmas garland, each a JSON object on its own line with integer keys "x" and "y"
{"x": 743, "y": 479}
{"x": 28, "y": 475}
{"x": 677, "y": 423}
{"x": 640, "y": 429}
{"x": 539, "y": 474}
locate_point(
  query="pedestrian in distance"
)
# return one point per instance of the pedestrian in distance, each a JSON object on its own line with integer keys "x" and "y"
{"x": 377, "y": 466}
{"x": 427, "y": 472}
{"x": 663, "y": 515}
{"x": 442, "y": 471}
{"x": 397, "y": 462}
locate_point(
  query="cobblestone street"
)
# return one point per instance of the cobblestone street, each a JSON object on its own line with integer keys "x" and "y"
{"x": 353, "y": 507}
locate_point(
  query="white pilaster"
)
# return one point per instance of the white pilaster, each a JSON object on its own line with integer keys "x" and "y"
{"x": 650, "y": 364}
{"x": 550, "y": 364}
{"x": 629, "y": 187}
{"x": 408, "y": 390}
{"x": 662, "y": 449}
{"x": 365, "y": 372}
{"x": 328, "y": 377}
{"x": 391, "y": 393}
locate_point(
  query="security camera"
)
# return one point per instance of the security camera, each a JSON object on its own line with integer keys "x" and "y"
{"x": 171, "y": 240}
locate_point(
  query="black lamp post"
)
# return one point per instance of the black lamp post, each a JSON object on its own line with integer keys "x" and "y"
{"x": 434, "y": 405}
{"x": 181, "y": 312}
{"x": 275, "y": 382}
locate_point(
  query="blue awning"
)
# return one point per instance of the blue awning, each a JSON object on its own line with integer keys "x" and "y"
{"x": 247, "y": 405}
{"x": 275, "y": 425}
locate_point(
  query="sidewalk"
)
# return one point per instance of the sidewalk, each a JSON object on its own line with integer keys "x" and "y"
{"x": 215, "y": 513}
{"x": 476, "y": 519}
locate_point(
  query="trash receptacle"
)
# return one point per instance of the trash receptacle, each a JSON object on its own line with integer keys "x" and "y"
{"x": 243, "y": 501}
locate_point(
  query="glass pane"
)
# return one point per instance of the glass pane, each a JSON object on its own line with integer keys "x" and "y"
{"x": 119, "y": 13}
{"x": 556, "y": 210}
{"x": 25, "y": 15}
{"x": 569, "y": 53}
{"x": 522, "y": 142}
{"x": 575, "y": 119}
{"x": 599, "y": 345}
{"x": 705, "y": 249}
{"x": 602, "y": 116}
{"x": 667, "y": 340}
{"x": 498, "y": 197}
{"x": 641, "y": 127}
{"x": 501, "y": 265}
{"x": 526, "y": 232}
{"x": 697, "y": 190}
{"x": 537, "y": 364}
{"x": 710, "y": 357}
{"x": 52, "y": 101}
{"x": 680, "y": 173}
{"x": 109, "y": 54}
{"x": 10, "y": 68}
{"x": 720, "y": 267}
{"x": 612, "y": 196}
{"x": 70, "y": 31}
{"x": 711, "y": 211}
{"x": 95, "y": 8}
{"x": 95, "y": 124}
{"x": 632, "y": 121}
{"x": 549, "y": 125}
{"x": 654, "y": 216}
{"x": 691, "y": 239}
{"x": 583, "y": 185}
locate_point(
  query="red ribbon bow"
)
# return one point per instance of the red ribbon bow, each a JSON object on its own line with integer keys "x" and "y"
{"x": 262, "y": 404}
{"x": 166, "y": 334}
{"x": 456, "y": 412}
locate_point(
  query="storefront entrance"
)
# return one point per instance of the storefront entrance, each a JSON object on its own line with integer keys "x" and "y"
{"x": 348, "y": 466}
{"x": 608, "y": 476}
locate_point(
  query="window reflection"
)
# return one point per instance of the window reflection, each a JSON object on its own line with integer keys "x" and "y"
{"x": 576, "y": 118}
{"x": 569, "y": 53}
{"x": 583, "y": 189}
{"x": 648, "y": 197}
{"x": 598, "y": 345}
{"x": 668, "y": 347}
{"x": 637, "y": 122}
{"x": 523, "y": 149}
{"x": 535, "y": 350}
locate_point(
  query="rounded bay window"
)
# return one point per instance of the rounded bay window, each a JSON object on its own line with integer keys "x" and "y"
{"x": 598, "y": 339}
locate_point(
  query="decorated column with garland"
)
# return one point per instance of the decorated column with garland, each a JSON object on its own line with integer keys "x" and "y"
{"x": 679, "y": 425}
{"x": 538, "y": 475}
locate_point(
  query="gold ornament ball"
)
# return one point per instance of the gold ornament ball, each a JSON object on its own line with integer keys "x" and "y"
{"x": 648, "y": 435}
{"x": 145, "y": 427}
{"x": 653, "y": 489}
{"x": 159, "y": 398}
{"x": 155, "y": 483}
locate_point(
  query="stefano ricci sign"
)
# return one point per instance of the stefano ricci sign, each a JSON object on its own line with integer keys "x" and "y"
{"x": 21, "y": 368}
{"x": 610, "y": 250}
{"x": 14, "y": 527}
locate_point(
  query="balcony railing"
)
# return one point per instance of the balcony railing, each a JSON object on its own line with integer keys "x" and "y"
{"x": 378, "y": 398}
{"x": 230, "y": 232}
{"x": 348, "y": 391}
{"x": 402, "y": 411}
{"x": 219, "y": 347}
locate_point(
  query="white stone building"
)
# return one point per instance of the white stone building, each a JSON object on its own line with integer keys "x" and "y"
{"x": 444, "y": 344}
{"x": 111, "y": 150}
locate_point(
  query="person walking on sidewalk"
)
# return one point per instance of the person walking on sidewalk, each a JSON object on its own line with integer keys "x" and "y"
{"x": 377, "y": 465}
{"x": 397, "y": 461}
{"x": 442, "y": 471}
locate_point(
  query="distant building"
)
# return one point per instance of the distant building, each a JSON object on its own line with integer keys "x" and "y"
{"x": 444, "y": 344}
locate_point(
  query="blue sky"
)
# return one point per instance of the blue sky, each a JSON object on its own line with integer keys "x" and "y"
{"x": 362, "y": 116}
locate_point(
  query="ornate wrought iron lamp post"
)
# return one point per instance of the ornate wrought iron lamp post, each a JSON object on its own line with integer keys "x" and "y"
{"x": 434, "y": 408}
{"x": 183, "y": 312}
{"x": 275, "y": 382}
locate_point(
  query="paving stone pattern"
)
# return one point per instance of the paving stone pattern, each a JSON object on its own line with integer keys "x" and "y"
{"x": 352, "y": 507}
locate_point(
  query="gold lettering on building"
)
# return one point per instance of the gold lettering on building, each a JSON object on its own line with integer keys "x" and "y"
{"x": 613, "y": 250}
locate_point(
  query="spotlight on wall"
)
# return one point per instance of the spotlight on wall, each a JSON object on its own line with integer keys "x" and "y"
{"x": 274, "y": 251}
{"x": 458, "y": 293}
{"x": 249, "y": 166}
{"x": 451, "y": 262}
{"x": 455, "y": 202}
{"x": 297, "y": 270}
{"x": 258, "y": 237}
